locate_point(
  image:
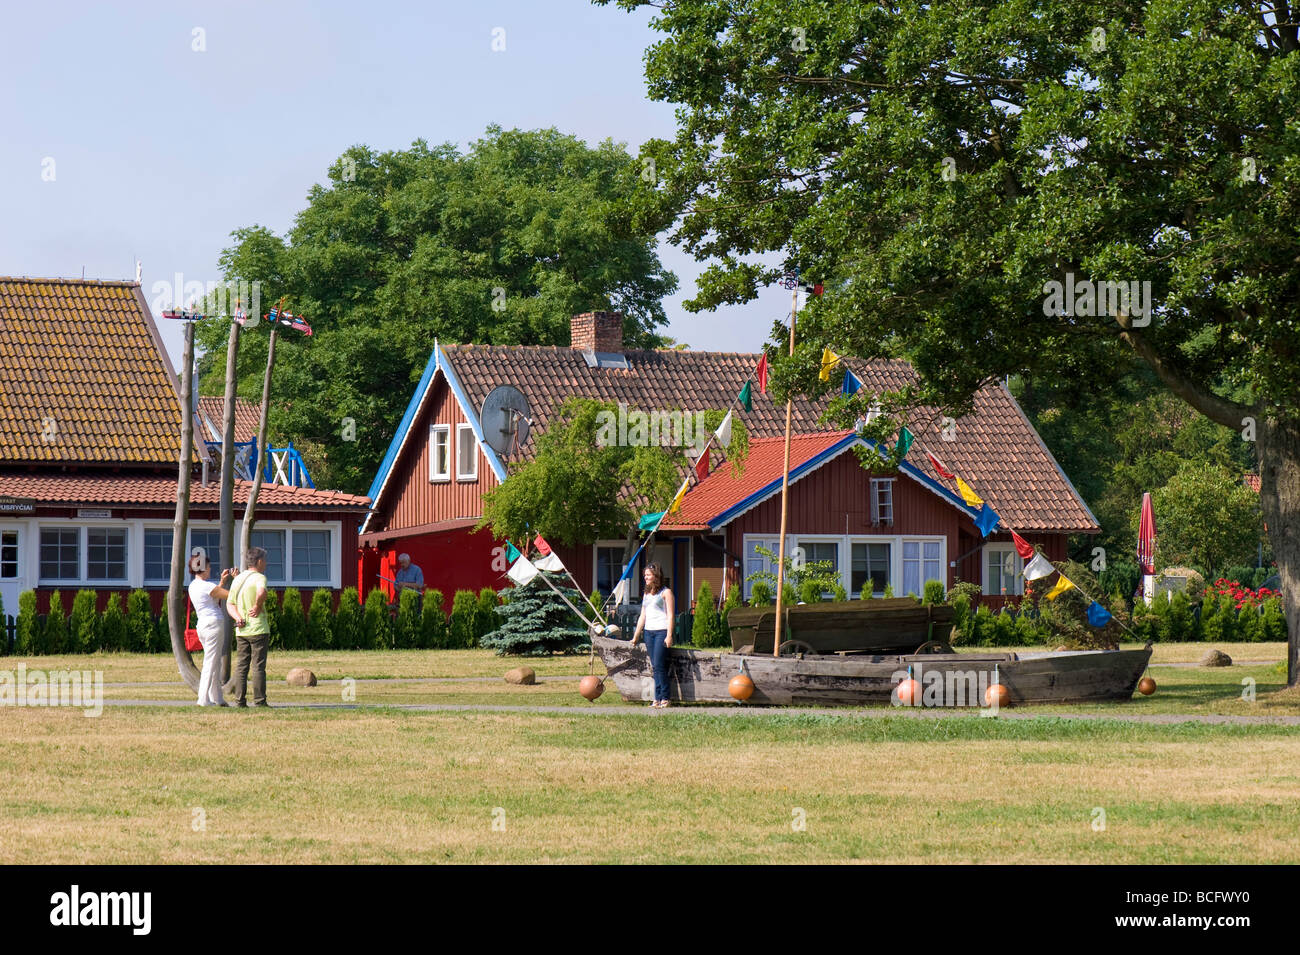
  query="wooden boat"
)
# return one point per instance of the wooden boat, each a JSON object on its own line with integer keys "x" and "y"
{"x": 946, "y": 679}
{"x": 888, "y": 625}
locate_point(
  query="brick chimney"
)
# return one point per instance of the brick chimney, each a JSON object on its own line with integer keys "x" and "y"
{"x": 597, "y": 331}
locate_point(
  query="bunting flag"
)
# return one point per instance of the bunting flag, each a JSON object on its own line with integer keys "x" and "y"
{"x": 723, "y": 434}
{"x": 1061, "y": 587}
{"x": 650, "y": 520}
{"x": 620, "y": 592}
{"x": 1038, "y": 568}
{"x": 540, "y": 543}
{"x": 1023, "y": 547}
{"x": 702, "y": 465}
{"x": 905, "y": 439}
{"x": 1098, "y": 616}
{"x": 681, "y": 493}
{"x": 550, "y": 562}
{"x": 829, "y": 358}
{"x": 986, "y": 520}
{"x": 746, "y": 397}
{"x": 512, "y": 552}
{"x": 522, "y": 571}
{"x": 851, "y": 383}
{"x": 939, "y": 469}
{"x": 968, "y": 494}
{"x": 762, "y": 375}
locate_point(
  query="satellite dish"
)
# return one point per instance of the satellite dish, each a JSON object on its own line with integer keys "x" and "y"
{"x": 505, "y": 419}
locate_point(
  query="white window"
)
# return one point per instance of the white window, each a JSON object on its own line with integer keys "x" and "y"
{"x": 97, "y": 554}
{"x": 466, "y": 453}
{"x": 882, "y": 501}
{"x": 439, "y": 452}
{"x": 273, "y": 543}
{"x": 922, "y": 562}
{"x": 311, "y": 557}
{"x": 871, "y": 567}
{"x": 758, "y": 563}
{"x": 60, "y": 553}
{"x": 1002, "y": 570}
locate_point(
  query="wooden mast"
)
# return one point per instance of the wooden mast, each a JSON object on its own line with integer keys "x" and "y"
{"x": 778, "y": 631}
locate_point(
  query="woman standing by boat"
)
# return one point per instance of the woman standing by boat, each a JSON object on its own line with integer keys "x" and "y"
{"x": 204, "y": 595}
{"x": 656, "y": 620}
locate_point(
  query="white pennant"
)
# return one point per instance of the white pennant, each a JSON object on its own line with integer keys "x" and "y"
{"x": 522, "y": 571}
{"x": 550, "y": 562}
{"x": 724, "y": 431}
{"x": 1040, "y": 566}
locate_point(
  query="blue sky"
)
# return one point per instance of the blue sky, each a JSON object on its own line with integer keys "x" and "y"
{"x": 158, "y": 150}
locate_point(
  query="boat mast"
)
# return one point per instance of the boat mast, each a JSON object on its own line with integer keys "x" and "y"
{"x": 777, "y": 630}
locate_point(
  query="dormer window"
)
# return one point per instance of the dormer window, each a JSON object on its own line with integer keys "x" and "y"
{"x": 882, "y": 501}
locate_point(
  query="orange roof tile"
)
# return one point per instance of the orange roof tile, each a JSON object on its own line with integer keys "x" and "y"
{"x": 248, "y": 417}
{"x": 105, "y": 489}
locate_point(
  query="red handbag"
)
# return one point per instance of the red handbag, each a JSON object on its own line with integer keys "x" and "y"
{"x": 192, "y": 642}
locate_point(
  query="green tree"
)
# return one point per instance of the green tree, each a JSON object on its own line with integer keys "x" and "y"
{"x": 113, "y": 624}
{"x": 406, "y": 630}
{"x": 293, "y": 623}
{"x": 1206, "y": 517}
{"x": 433, "y": 621}
{"x": 27, "y": 640}
{"x": 139, "y": 621}
{"x": 320, "y": 629}
{"x": 938, "y": 166}
{"x": 462, "y": 625}
{"x": 500, "y": 243}
{"x": 347, "y": 621}
{"x": 535, "y": 621}
{"x": 487, "y": 618}
{"x": 56, "y": 626}
{"x": 377, "y": 624}
{"x": 83, "y": 625}
{"x": 706, "y": 627}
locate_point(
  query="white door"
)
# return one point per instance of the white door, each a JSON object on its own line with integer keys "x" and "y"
{"x": 12, "y": 579}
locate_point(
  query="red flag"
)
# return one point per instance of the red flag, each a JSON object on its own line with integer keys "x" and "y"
{"x": 939, "y": 468}
{"x": 702, "y": 465}
{"x": 1023, "y": 547}
{"x": 762, "y": 374}
{"x": 1146, "y": 549}
{"x": 543, "y": 548}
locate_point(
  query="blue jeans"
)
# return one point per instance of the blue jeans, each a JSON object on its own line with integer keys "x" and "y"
{"x": 660, "y": 660}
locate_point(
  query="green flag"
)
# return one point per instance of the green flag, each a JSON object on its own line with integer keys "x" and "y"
{"x": 747, "y": 397}
{"x": 512, "y": 552}
{"x": 649, "y": 520}
{"x": 905, "y": 439}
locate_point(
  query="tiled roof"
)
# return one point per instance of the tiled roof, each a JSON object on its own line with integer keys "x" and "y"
{"x": 83, "y": 375}
{"x": 248, "y": 416}
{"x": 104, "y": 489}
{"x": 995, "y": 449}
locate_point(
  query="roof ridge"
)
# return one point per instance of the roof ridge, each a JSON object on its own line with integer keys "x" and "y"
{"x": 59, "y": 280}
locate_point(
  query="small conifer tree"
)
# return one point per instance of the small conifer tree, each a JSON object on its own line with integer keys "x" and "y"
{"x": 536, "y": 622}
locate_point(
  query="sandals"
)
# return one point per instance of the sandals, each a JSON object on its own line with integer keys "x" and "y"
{"x": 660, "y": 704}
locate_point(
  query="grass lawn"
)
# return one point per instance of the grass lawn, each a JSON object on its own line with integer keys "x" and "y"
{"x": 183, "y": 784}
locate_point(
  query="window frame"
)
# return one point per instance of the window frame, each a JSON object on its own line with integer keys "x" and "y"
{"x": 1017, "y": 574}
{"x": 895, "y": 550}
{"x": 435, "y": 431}
{"x": 922, "y": 560}
{"x": 634, "y": 581}
{"x": 461, "y": 473}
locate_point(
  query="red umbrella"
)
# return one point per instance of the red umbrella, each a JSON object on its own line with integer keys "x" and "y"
{"x": 1146, "y": 552}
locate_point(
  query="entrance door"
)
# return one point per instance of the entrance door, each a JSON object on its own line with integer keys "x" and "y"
{"x": 12, "y": 581}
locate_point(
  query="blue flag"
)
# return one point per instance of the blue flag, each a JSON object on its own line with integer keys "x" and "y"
{"x": 1098, "y": 616}
{"x": 986, "y": 520}
{"x": 851, "y": 383}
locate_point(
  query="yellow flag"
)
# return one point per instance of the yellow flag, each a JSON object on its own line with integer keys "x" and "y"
{"x": 968, "y": 494}
{"x": 1061, "y": 587}
{"x": 681, "y": 493}
{"x": 829, "y": 358}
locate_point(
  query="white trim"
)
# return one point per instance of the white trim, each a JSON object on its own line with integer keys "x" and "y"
{"x": 461, "y": 473}
{"x": 1018, "y": 565}
{"x": 844, "y": 552}
{"x": 439, "y": 477}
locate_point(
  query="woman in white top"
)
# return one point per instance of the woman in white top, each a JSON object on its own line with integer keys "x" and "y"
{"x": 204, "y": 595}
{"x": 657, "y": 613}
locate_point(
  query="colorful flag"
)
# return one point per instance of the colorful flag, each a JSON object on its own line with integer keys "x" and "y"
{"x": 620, "y": 592}
{"x": 829, "y": 358}
{"x": 747, "y": 397}
{"x": 1098, "y": 616}
{"x": 512, "y": 552}
{"x": 540, "y": 543}
{"x": 723, "y": 433}
{"x": 968, "y": 494}
{"x": 681, "y": 493}
{"x": 1023, "y": 547}
{"x": 650, "y": 520}
{"x": 851, "y": 383}
{"x": 939, "y": 469}
{"x": 1061, "y": 587}
{"x": 762, "y": 374}
{"x": 550, "y": 562}
{"x": 522, "y": 571}
{"x": 702, "y": 465}
{"x": 905, "y": 439}
{"x": 986, "y": 520}
{"x": 1039, "y": 567}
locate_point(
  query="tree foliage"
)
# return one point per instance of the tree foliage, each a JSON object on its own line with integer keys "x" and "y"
{"x": 535, "y": 621}
{"x": 1206, "y": 518}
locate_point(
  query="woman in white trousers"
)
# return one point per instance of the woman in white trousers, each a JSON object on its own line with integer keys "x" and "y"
{"x": 205, "y": 596}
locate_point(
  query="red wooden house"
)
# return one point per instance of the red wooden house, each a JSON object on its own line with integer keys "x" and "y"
{"x": 900, "y": 528}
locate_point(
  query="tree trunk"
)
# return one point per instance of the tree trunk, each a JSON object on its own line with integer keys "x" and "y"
{"x": 1279, "y": 496}
{"x": 227, "y": 508}
{"x": 180, "y": 524}
{"x": 251, "y": 506}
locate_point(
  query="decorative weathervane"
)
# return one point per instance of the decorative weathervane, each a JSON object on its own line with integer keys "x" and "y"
{"x": 790, "y": 281}
{"x": 190, "y": 314}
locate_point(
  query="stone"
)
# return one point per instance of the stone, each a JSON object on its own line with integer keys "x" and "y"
{"x": 300, "y": 676}
{"x": 522, "y": 676}
{"x": 1216, "y": 658}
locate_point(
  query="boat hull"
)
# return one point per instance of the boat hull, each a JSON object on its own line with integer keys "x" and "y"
{"x": 945, "y": 679}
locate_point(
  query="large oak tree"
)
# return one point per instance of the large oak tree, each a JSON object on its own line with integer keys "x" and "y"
{"x": 936, "y": 164}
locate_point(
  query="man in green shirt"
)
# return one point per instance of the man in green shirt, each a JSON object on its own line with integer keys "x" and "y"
{"x": 252, "y": 629}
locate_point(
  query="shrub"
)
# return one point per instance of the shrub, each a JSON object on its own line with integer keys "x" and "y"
{"x": 1241, "y": 574}
{"x": 790, "y": 596}
{"x": 139, "y": 622}
{"x": 112, "y": 627}
{"x": 272, "y": 611}
{"x": 28, "y": 637}
{"x": 464, "y": 610}
{"x": 1250, "y": 627}
{"x": 162, "y": 635}
{"x": 1272, "y": 620}
{"x": 1180, "y": 622}
{"x": 83, "y": 626}
{"x": 433, "y": 621}
{"x": 320, "y": 630}
{"x": 706, "y": 628}
{"x": 1122, "y": 576}
{"x": 487, "y": 619}
{"x": 1004, "y": 629}
{"x": 347, "y": 621}
{"x": 972, "y": 591}
{"x": 4, "y": 630}
{"x": 1029, "y": 631}
{"x": 760, "y": 595}
{"x": 293, "y": 624}
{"x": 838, "y": 593}
{"x": 534, "y": 621}
{"x": 982, "y": 634}
{"x": 933, "y": 592}
{"x": 56, "y": 626}
{"x": 730, "y": 603}
{"x": 376, "y": 624}
{"x": 889, "y": 591}
{"x": 961, "y": 619}
{"x": 406, "y": 631}
{"x": 810, "y": 592}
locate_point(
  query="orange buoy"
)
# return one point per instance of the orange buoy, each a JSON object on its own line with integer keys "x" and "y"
{"x": 997, "y": 695}
{"x": 1146, "y": 686}
{"x": 741, "y": 687}
{"x": 909, "y": 692}
{"x": 591, "y": 687}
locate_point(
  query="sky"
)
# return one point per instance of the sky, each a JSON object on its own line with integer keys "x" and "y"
{"x": 151, "y": 130}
